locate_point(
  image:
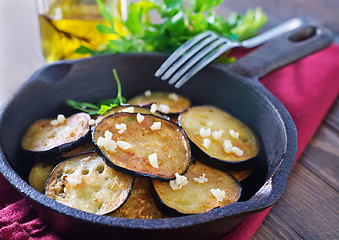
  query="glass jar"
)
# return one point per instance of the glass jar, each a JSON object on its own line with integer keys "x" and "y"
{"x": 65, "y": 25}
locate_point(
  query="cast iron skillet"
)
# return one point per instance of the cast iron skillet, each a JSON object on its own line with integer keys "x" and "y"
{"x": 234, "y": 88}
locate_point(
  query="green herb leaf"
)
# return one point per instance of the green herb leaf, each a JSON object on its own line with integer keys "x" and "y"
{"x": 103, "y": 105}
{"x": 249, "y": 24}
{"x": 177, "y": 22}
{"x": 85, "y": 50}
{"x": 104, "y": 108}
{"x": 89, "y": 108}
{"x": 105, "y": 29}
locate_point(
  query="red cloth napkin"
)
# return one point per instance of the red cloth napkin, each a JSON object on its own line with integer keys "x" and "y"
{"x": 307, "y": 88}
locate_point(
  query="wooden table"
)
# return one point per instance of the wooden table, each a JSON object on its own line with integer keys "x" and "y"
{"x": 309, "y": 207}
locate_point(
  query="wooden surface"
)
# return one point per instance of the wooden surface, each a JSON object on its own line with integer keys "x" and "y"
{"x": 309, "y": 207}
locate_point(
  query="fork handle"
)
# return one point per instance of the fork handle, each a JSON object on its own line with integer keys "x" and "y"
{"x": 290, "y": 47}
{"x": 273, "y": 33}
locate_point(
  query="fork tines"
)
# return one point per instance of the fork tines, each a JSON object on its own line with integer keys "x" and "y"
{"x": 191, "y": 57}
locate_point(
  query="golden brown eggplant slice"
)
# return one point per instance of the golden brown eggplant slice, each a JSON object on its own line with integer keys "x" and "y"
{"x": 140, "y": 205}
{"x": 220, "y": 139}
{"x": 86, "y": 183}
{"x": 175, "y": 103}
{"x": 154, "y": 147}
{"x": 48, "y": 137}
{"x": 242, "y": 174}
{"x": 39, "y": 174}
{"x": 206, "y": 188}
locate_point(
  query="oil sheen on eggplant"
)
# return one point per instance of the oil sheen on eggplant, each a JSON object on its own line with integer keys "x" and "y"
{"x": 86, "y": 183}
{"x": 43, "y": 139}
{"x": 232, "y": 144}
{"x": 169, "y": 142}
{"x": 195, "y": 197}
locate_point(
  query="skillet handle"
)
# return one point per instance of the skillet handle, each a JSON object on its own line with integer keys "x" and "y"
{"x": 290, "y": 47}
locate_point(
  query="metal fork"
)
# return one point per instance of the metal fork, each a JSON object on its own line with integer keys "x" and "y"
{"x": 199, "y": 51}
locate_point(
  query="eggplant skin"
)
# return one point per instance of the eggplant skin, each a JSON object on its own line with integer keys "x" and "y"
{"x": 86, "y": 183}
{"x": 42, "y": 141}
{"x": 213, "y": 119}
{"x": 194, "y": 197}
{"x": 169, "y": 142}
{"x": 87, "y": 147}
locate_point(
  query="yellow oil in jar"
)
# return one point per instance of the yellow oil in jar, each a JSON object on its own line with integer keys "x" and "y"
{"x": 61, "y": 36}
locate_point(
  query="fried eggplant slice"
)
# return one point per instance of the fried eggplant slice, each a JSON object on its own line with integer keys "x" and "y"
{"x": 167, "y": 102}
{"x": 220, "y": 140}
{"x": 204, "y": 189}
{"x": 152, "y": 147}
{"x": 242, "y": 174}
{"x": 140, "y": 205}
{"x": 88, "y": 147}
{"x": 47, "y": 137}
{"x": 39, "y": 174}
{"x": 130, "y": 109}
{"x": 86, "y": 183}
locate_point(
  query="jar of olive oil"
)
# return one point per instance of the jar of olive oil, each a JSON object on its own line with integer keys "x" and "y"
{"x": 65, "y": 25}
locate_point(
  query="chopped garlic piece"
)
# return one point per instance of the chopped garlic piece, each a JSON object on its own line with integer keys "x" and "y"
{"x": 237, "y": 151}
{"x": 59, "y": 120}
{"x": 227, "y": 146}
{"x": 148, "y": 93}
{"x": 206, "y": 143}
{"x": 74, "y": 179}
{"x": 164, "y": 108}
{"x": 121, "y": 127}
{"x": 209, "y": 123}
{"x": 178, "y": 182}
{"x": 153, "y": 108}
{"x": 173, "y": 96}
{"x": 107, "y": 142}
{"x": 156, "y": 126}
{"x": 92, "y": 122}
{"x": 201, "y": 179}
{"x": 124, "y": 145}
{"x": 128, "y": 110}
{"x": 234, "y": 134}
{"x": 153, "y": 160}
{"x": 54, "y": 122}
{"x": 205, "y": 132}
{"x": 218, "y": 194}
{"x": 217, "y": 134}
{"x": 140, "y": 118}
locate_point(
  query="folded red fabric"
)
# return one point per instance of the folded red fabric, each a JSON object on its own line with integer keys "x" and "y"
{"x": 307, "y": 88}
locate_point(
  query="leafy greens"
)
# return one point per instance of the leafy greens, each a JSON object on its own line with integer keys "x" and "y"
{"x": 103, "y": 105}
{"x": 178, "y": 21}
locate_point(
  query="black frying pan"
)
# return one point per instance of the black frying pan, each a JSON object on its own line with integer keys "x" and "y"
{"x": 234, "y": 88}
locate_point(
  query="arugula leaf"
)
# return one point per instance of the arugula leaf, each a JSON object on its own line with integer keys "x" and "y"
{"x": 177, "y": 21}
{"x": 102, "y": 106}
